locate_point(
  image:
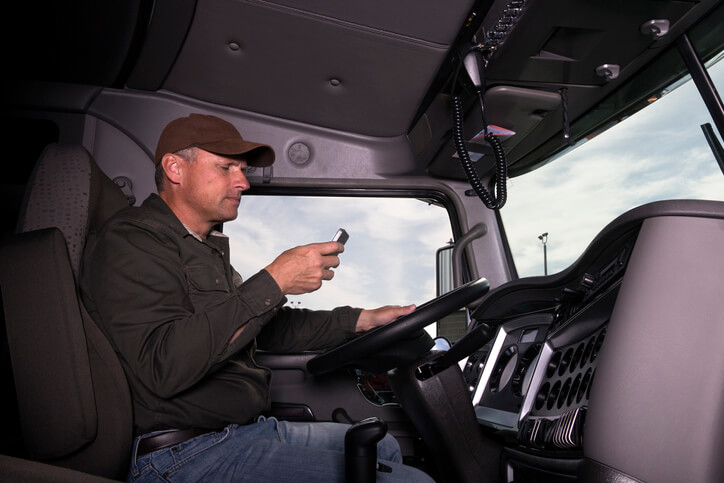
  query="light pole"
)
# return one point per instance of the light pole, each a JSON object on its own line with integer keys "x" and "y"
{"x": 544, "y": 239}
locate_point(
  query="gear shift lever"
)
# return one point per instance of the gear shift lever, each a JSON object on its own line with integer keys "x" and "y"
{"x": 360, "y": 450}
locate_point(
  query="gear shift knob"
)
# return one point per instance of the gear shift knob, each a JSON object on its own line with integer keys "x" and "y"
{"x": 360, "y": 450}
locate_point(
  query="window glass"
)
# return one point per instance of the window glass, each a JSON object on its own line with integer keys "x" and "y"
{"x": 658, "y": 153}
{"x": 389, "y": 257}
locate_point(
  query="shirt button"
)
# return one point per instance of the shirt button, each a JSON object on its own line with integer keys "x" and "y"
{"x": 217, "y": 281}
{"x": 267, "y": 302}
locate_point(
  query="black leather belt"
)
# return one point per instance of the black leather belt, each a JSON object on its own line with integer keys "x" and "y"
{"x": 171, "y": 438}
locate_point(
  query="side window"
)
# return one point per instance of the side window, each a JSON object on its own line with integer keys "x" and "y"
{"x": 390, "y": 256}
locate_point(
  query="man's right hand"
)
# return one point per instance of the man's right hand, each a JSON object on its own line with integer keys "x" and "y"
{"x": 301, "y": 270}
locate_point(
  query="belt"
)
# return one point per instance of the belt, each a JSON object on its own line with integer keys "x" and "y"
{"x": 168, "y": 439}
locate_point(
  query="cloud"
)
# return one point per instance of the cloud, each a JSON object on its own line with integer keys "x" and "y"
{"x": 389, "y": 258}
{"x": 655, "y": 154}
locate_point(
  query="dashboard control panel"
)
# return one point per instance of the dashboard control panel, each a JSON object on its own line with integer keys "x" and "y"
{"x": 500, "y": 383}
{"x": 553, "y": 414}
{"x": 533, "y": 380}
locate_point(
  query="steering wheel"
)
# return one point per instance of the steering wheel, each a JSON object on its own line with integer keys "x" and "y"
{"x": 405, "y": 327}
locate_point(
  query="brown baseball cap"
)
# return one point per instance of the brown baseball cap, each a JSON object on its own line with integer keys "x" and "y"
{"x": 211, "y": 134}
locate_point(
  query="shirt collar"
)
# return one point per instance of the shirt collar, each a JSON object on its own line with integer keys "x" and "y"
{"x": 164, "y": 214}
{"x": 198, "y": 237}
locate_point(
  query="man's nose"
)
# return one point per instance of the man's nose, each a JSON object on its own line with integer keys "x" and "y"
{"x": 240, "y": 180}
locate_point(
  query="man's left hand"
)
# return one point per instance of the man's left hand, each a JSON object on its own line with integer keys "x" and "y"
{"x": 369, "y": 319}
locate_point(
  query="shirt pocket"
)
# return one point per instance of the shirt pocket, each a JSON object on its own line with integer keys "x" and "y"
{"x": 206, "y": 285}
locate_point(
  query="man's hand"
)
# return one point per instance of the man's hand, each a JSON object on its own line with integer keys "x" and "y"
{"x": 369, "y": 319}
{"x": 301, "y": 270}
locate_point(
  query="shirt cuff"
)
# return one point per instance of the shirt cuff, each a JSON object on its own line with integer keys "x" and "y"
{"x": 348, "y": 317}
{"x": 261, "y": 293}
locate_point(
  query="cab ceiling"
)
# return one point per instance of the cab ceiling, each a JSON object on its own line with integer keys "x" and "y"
{"x": 376, "y": 68}
{"x": 361, "y": 67}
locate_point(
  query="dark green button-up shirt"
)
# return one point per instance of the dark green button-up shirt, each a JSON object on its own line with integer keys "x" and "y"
{"x": 169, "y": 302}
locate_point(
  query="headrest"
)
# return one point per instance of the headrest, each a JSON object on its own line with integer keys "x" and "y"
{"x": 68, "y": 190}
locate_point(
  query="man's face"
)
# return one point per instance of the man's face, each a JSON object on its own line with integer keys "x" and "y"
{"x": 213, "y": 184}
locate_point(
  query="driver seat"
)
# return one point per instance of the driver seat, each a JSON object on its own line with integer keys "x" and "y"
{"x": 73, "y": 401}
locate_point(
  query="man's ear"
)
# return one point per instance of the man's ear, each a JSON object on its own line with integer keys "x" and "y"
{"x": 172, "y": 167}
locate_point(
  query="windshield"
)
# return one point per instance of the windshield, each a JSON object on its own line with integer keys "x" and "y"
{"x": 658, "y": 153}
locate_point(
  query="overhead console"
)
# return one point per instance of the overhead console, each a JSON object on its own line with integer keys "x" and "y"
{"x": 558, "y": 68}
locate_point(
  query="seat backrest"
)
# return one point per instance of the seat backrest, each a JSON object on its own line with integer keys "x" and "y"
{"x": 73, "y": 399}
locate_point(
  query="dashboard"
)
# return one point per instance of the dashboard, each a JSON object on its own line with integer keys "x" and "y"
{"x": 533, "y": 380}
{"x": 610, "y": 370}
{"x": 592, "y": 370}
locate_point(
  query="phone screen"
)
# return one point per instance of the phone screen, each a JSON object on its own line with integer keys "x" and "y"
{"x": 341, "y": 236}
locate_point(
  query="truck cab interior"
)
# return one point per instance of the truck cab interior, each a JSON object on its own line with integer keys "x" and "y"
{"x": 461, "y": 144}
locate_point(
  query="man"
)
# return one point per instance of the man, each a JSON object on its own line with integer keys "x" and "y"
{"x": 158, "y": 281}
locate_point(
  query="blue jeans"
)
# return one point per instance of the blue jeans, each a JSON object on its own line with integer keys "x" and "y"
{"x": 269, "y": 450}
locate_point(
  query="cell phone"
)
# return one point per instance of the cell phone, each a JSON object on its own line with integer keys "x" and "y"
{"x": 341, "y": 236}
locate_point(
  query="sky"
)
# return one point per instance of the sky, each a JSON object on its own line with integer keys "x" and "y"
{"x": 388, "y": 259}
{"x": 658, "y": 153}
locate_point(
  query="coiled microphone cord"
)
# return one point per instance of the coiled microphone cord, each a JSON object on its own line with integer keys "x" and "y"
{"x": 501, "y": 170}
